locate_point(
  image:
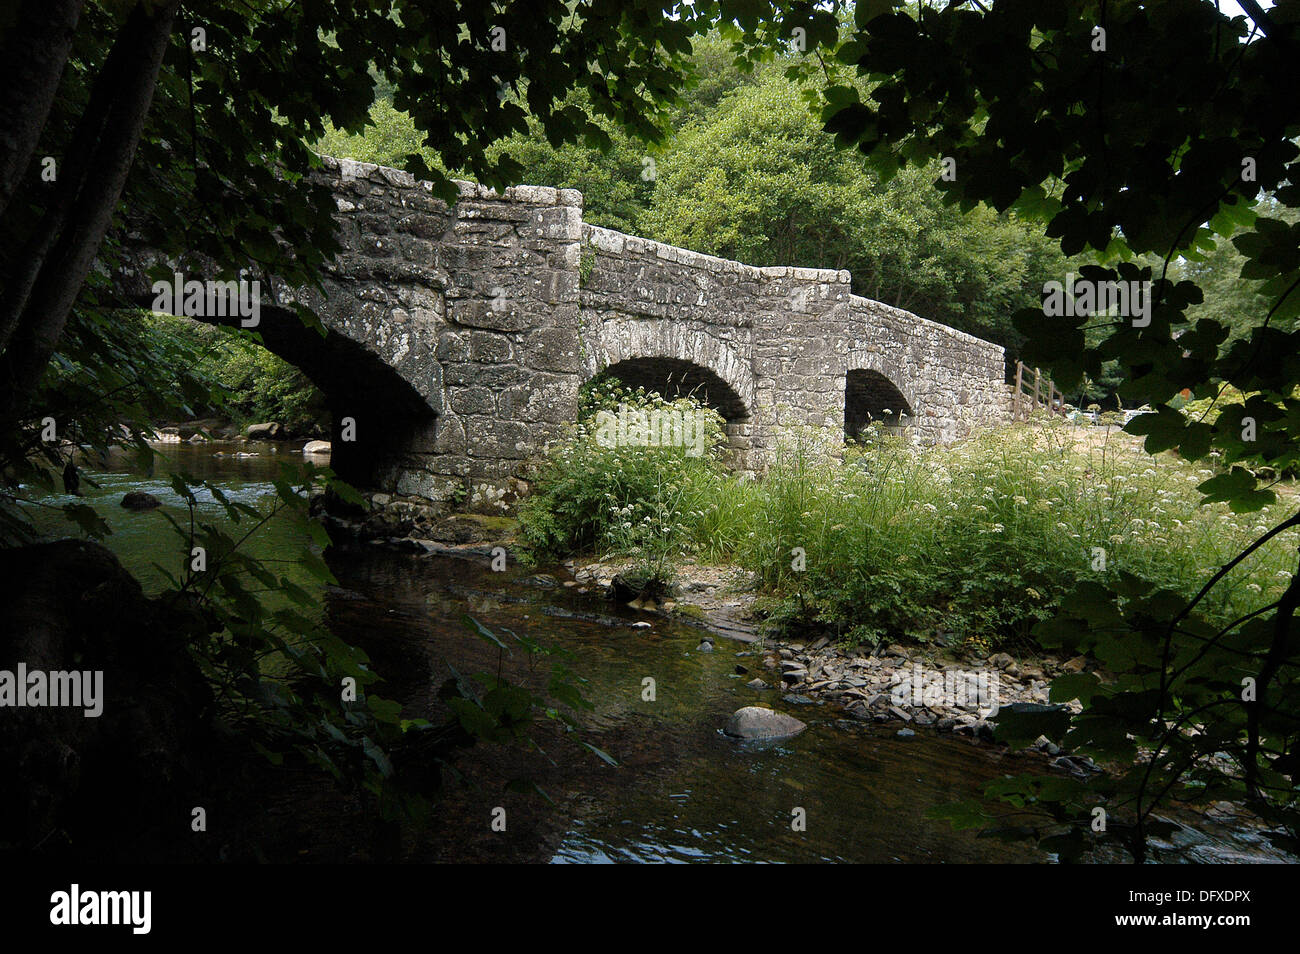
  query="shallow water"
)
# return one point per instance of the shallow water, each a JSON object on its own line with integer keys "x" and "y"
{"x": 683, "y": 791}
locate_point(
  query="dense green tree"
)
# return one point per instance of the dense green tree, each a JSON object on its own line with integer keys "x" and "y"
{"x": 756, "y": 179}
{"x": 716, "y": 72}
{"x": 615, "y": 181}
{"x": 389, "y": 139}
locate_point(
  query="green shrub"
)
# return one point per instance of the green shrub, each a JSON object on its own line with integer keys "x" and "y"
{"x": 262, "y": 387}
{"x": 247, "y": 383}
{"x": 594, "y": 494}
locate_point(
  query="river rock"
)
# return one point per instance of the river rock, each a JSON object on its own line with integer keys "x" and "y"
{"x": 316, "y": 447}
{"x": 269, "y": 431}
{"x": 755, "y": 722}
{"x": 139, "y": 500}
{"x": 756, "y": 684}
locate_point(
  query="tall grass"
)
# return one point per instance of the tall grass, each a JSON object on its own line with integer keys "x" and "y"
{"x": 629, "y": 499}
{"x": 970, "y": 544}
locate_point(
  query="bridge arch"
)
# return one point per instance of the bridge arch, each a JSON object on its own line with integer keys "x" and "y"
{"x": 675, "y": 346}
{"x": 676, "y": 360}
{"x": 871, "y": 398}
{"x": 675, "y": 378}
{"x": 359, "y": 381}
{"x": 876, "y": 393}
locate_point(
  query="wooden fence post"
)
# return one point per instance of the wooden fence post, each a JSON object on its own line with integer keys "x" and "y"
{"x": 1015, "y": 407}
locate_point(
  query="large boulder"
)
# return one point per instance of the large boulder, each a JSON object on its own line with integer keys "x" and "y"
{"x": 316, "y": 447}
{"x": 755, "y": 722}
{"x": 270, "y": 431}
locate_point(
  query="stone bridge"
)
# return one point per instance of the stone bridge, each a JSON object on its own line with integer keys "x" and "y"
{"x": 459, "y": 338}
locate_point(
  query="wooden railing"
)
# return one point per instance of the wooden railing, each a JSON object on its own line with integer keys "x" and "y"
{"x": 1043, "y": 394}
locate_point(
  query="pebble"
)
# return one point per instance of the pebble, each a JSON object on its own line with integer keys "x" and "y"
{"x": 862, "y": 685}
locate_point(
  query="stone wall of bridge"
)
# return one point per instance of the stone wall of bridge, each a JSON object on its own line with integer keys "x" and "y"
{"x": 785, "y": 342}
{"x": 459, "y": 337}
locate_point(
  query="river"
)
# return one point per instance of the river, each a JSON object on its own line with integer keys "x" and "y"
{"x": 682, "y": 791}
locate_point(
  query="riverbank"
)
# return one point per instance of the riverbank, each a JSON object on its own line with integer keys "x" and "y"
{"x": 914, "y": 686}
{"x": 215, "y": 430}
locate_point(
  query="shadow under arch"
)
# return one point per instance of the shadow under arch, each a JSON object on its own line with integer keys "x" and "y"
{"x": 870, "y": 397}
{"x": 389, "y": 414}
{"x": 674, "y": 378}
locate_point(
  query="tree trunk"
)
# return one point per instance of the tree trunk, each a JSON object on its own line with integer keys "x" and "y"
{"x": 76, "y": 168}
{"x": 31, "y": 63}
{"x": 143, "y": 41}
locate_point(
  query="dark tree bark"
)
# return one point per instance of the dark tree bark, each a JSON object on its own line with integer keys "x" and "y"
{"x": 115, "y": 120}
{"x": 31, "y": 64}
{"x": 25, "y": 268}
